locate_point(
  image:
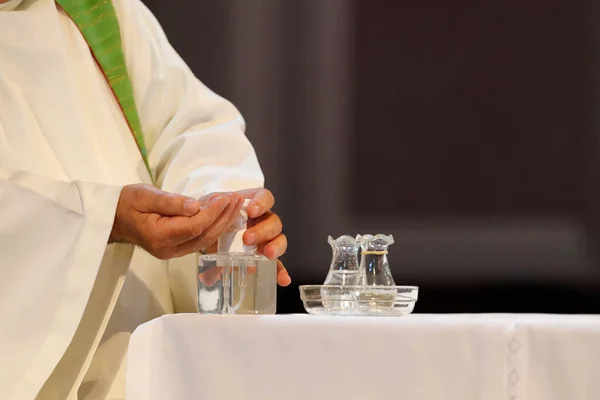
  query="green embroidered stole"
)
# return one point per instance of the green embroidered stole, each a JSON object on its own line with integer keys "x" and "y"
{"x": 98, "y": 23}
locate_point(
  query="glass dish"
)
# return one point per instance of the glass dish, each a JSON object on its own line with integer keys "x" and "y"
{"x": 337, "y": 300}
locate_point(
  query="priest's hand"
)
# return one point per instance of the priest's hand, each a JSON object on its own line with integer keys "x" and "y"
{"x": 169, "y": 225}
{"x": 264, "y": 227}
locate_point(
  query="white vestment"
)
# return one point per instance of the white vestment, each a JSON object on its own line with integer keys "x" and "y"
{"x": 69, "y": 302}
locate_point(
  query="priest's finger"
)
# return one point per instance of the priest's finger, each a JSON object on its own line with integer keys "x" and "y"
{"x": 148, "y": 199}
{"x": 267, "y": 228}
{"x": 173, "y": 205}
{"x": 275, "y": 248}
{"x": 211, "y": 196}
{"x": 196, "y": 245}
{"x": 177, "y": 230}
{"x": 283, "y": 278}
{"x": 249, "y": 193}
{"x": 261, "y": 201}
{"x": 240, "y": 203}
{"x": 211, "y": 234}
{"x": 211, "y": 249}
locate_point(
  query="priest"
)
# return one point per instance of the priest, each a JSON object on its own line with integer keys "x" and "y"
{"x": 117, "y": 166}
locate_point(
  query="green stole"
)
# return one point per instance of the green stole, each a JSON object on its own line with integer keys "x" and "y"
{"x": 98, "y": 23}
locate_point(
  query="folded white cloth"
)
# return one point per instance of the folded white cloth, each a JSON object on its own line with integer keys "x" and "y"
{"x": 299, "y": 357}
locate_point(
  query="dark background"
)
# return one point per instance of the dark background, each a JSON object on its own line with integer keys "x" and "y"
{"x": 467, "y": 130}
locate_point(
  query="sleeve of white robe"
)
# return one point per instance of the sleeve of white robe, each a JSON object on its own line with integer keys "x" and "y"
{"x": 195, "y": 138}
{"x": 53, "y": 236}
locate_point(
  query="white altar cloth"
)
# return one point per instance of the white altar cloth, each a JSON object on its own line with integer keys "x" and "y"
{"x": 419, "y": 357}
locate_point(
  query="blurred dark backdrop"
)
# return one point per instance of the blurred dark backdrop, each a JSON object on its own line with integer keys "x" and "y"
{"x": 468, "y": 130}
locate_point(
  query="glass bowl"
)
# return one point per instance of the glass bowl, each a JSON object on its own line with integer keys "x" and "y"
{"x": 336, "y": 300}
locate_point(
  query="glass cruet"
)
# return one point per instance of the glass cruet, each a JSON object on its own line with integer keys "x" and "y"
{"x": 374, "y": 274}
{"x": 344, "y": 266}
{"x": 343, "y": 273}
{"x": 374, "y": 265}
